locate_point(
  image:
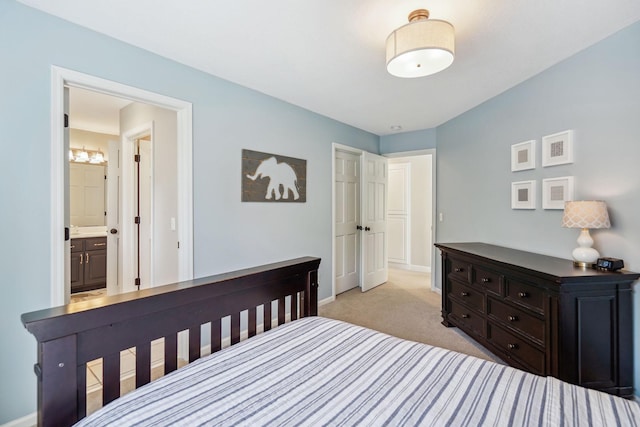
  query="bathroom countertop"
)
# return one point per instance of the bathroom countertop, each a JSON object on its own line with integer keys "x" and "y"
{"x": 89, "y": 235}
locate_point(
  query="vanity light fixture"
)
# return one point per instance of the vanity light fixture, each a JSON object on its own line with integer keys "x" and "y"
{"x": 422, "y": 47}
{"x": 97, "y": 157}
{"x": 86, "y": 156}
{"x": 585, "y": 214}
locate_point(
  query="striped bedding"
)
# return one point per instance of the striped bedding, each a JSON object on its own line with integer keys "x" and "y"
{"x": 317, "y": 371}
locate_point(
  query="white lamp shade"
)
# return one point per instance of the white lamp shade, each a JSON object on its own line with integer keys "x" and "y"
{"x": 586, "y": 214}
{"x": 420, "y": 48}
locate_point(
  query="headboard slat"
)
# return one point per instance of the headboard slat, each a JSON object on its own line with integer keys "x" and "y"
{"x": 110, "y": 377}
{"x": 235, "y": 328}
{"x": 170, "y": 353}
{"x": 281, "y": 310}
{"x": 194, "y": 343}
{"x": 251, "y": 322}
{"x": 216, "y": 335}
{"x": 143, "y": 364}
{"x": 294, "y": 306}
{"x": 267, "y": 316}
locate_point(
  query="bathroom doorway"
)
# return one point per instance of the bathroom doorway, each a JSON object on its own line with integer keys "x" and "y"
{"x": 143, "y": 106}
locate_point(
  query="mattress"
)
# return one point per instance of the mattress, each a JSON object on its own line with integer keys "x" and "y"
{"x": 318, "y": 371}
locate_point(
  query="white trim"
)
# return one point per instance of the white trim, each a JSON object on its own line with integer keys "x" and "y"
{"x": 334, "y": 148}
{"x": 127, "y": 207}
{"x": 326, "y": 301}
{"x": 410, "y": 267}
{"x": 61, "y": 77}
{"x": 26, "y": 421}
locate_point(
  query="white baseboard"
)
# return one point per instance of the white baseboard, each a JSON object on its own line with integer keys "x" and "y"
{"x": 326, "y": 301}
{"x": 26, "y": 421}
{"x": 410, "y": 267}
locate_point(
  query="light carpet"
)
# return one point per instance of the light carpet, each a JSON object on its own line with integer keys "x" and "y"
{"x": 404, "y": 307}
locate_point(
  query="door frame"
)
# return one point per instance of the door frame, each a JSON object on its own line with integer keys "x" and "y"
{"x": 61, "y": 77}
{"x": 128, "y": 204}
{"x": 434, "y": 209}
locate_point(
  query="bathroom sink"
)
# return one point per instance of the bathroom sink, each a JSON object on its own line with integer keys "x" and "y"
{"x": 87, "y": 232}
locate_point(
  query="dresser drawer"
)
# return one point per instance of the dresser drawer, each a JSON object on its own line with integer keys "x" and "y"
{"x": 517, "y": 319}
{"x": 489, "y": 280}
{"x": 460, "y": 270}
{"x": 517, "y": 348}
{"x": 94, "y": 243}
{"x": 526, "y": 295}
{"x": 467, "y": 295}
{"x": 468, "y": 318}
{"x": 77, "y": 245}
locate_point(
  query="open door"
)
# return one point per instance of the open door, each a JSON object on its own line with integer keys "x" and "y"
{"x": 114, "y": 251}
{"x": 374, "y": 218}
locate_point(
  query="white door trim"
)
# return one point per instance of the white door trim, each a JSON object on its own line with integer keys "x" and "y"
{"x": 128, "y": 205}
{"x": 61, "y": 77}
{"x": 434, "y": 253}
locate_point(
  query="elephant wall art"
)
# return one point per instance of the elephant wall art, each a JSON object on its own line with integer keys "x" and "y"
{"x": 273, "y": 178}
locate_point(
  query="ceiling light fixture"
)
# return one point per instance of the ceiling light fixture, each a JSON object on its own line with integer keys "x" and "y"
{"x": 421, "y": 47}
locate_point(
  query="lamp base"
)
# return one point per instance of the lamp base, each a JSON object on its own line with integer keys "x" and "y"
{"x": 584, "y": 265}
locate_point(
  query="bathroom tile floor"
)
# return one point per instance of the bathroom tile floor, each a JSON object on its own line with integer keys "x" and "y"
{"x": 127, "y": 373}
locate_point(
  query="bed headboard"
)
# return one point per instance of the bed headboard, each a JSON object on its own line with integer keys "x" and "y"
{"x": 72, "y": 335}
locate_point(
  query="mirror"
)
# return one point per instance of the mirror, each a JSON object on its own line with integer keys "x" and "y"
{"x": 88, "y": 177}
{"x": 87, "y": 194}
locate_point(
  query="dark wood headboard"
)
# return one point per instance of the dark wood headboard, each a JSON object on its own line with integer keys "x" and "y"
{"x": 72, "y": 335}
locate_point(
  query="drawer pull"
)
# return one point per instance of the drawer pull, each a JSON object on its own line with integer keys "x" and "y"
{"x": 523, "y": 294}
{"x": 464, "y": 294}
{"x": 465, "y": 316}
{"x": 486, "y": 280}
{"x": 458, "y": 269}
{"x": 513, "y": 346}
{"x": 99, "y": 244}
{"x": 513, "y": 318}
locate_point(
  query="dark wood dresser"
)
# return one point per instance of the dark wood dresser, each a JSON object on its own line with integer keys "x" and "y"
{"x": 541, "y": 314}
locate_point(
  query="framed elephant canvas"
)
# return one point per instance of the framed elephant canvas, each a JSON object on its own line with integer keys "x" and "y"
{"x": 273, "y": 178}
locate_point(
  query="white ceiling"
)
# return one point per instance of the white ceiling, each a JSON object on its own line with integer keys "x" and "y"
{"x": 328, "y": 56}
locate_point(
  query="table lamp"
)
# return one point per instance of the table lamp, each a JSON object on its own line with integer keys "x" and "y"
{"x": 585, "y": 214}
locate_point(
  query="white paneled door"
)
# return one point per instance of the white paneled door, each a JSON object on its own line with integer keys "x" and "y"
{"x": 347, "y": 219}
{"x": 374, "y": 218}
{"x": 398, "y": 224}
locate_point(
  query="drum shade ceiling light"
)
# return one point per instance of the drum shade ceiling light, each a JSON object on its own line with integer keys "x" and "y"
{"x": 422, "y": 47}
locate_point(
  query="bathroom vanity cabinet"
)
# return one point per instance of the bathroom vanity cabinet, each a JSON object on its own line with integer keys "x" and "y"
{"x": 88, "y": 264}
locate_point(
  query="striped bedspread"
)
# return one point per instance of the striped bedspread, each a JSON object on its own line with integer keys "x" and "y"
{"x": 316, "y": 371}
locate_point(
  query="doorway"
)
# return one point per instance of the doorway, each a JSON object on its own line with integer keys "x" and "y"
{"x": 359, "y": 216}
{"x": 182, "y": 223}
{"x": 412, "y": 214}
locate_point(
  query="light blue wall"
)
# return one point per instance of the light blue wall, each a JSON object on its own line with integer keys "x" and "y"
{"x": 597, "y": 94}
{"x": 226, "y": 118}
{"x": 408, "y": 141}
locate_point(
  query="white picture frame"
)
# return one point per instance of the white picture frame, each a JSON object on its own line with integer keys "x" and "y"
{"x": 557, "y": 149}
{"x": 523, "y": 195}
{"x": 556, "y": 191}
{"x": 523, "y": 156}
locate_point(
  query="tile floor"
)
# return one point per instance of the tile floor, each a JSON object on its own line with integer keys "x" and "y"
{"x": 127, "y": 373}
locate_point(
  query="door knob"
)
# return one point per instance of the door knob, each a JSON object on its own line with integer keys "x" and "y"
{"x": 113, "y": 231}
{"x": 358, "y": 227}
{"x": 367, "y": 229}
